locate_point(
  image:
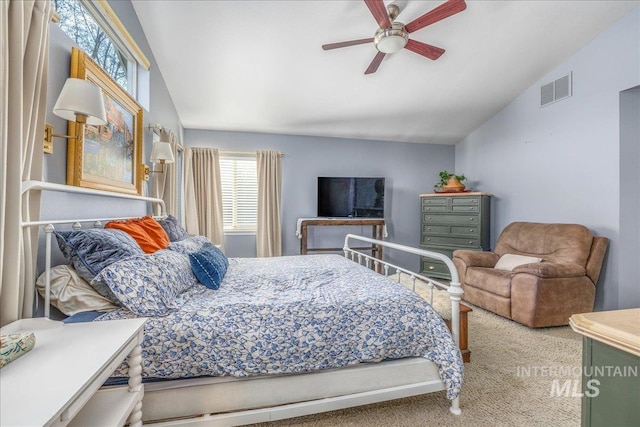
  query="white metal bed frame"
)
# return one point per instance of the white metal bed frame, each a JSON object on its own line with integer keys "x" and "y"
{"x": 225, "y": 401}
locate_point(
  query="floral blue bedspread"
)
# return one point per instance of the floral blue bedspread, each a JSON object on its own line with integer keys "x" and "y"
{"x": 294, "y": 314}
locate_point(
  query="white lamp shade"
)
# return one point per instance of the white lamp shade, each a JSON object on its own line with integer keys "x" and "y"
{"x": 162, "y": 151}
{"x": 81, "y": 97}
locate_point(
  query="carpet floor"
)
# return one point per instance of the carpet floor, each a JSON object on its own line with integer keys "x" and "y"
{"x": 517, "y": 377}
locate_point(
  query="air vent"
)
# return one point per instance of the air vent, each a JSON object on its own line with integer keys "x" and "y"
{"x": 556, "y": 90}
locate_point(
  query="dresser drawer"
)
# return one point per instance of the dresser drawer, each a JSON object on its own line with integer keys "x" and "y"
{"x": 467, "y": 242}
{"x": 436, "y": 229}
{"x": 434, "y": 201}
{"x": 432, "y": 266}
{"x": 435, "y": 208}
{"x": 465, "y": 201}
{"x": 465, "y": 208}
{"x": 429, "y": 219}
{"x": 450, "y": 230}
{"x": 460, "y": 230}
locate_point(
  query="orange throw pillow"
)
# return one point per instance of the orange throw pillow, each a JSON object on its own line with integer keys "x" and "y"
{"x": 146, "y": 231}
{"x": 155, "y": 231}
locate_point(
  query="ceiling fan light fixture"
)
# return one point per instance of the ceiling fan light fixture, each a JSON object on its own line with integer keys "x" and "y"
{"x": 391, "y": 40}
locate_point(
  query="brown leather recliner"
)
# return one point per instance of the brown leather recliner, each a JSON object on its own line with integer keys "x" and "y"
{"x": 536, "y": 294}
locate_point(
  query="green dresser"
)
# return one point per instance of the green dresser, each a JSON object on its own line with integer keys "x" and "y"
{"x": 452, "y": 221}
{"x": 611, "y": 367}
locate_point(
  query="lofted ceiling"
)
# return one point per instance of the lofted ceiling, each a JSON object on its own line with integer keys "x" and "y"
{"x": 258, "y": 66}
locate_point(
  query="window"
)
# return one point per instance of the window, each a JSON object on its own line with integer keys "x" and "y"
{"x": 79, "y": 24}
{"x": 239, "y": 192}
{"x": 95, "y": 28}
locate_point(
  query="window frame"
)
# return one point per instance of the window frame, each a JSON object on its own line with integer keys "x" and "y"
{"x": 235, "y": 156}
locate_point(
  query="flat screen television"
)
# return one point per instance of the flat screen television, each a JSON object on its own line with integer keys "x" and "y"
{"x": 350, "y": 197}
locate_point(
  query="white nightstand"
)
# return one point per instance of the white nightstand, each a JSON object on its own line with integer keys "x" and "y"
{"x": 57, "y": 383}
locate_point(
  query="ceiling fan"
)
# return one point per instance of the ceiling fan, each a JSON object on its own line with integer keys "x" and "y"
{"x": 392, "y": 36}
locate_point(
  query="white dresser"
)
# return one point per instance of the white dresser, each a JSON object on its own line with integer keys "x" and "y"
{"x": 58, "y": 381}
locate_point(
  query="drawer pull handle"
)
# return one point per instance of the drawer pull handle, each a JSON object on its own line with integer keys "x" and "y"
{"x": 431, "y": 267}
{"x": 471, "y": 242}
{"x": 429, "y": 228}
{"x": 428, "y": 239}
{"x": 471, "y": 218}
{"x": 428, "y": 209}
{"x": 428, "y": 217}
{"x": 470, "y": 208}
{"x": 471, "y": 230}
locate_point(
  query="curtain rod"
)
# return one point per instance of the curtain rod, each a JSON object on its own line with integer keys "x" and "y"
{"x": 243, "y": 153}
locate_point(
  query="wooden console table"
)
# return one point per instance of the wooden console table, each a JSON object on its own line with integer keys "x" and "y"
{"x": 377, "y": 225}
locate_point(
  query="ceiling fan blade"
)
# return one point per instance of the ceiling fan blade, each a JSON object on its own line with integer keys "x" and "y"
{"x": 346, "y": 44}
{"x": 445, "y": 10}
{"x": 373, "y": 67}
{"x": 379, "y": 11}
{"x": 431, "y": 52}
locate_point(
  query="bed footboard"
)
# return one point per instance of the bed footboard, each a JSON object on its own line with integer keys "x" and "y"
{"x": 385, "y": 267}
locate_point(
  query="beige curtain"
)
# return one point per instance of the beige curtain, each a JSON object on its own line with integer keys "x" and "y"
{"x": 269, "y": 235}
{"x": 203, "y": 194}
{"x": 165, "y": 185}
{"x": 24, "y": 37}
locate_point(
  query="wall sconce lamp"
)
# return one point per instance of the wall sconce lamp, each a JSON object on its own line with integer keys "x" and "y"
{"x": 80, "y": 101}
{"x": 161, "y": 153}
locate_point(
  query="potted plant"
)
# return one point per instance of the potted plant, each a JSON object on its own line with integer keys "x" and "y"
{"x": 450, "y": 182}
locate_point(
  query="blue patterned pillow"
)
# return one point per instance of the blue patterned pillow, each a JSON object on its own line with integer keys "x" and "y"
{"x": 173, "y": 228}
{"x": 209, "y": 265}
{"x": 148, "y": 284}
{"x": 188, "y": 245}
{"x": 91, "y": 250}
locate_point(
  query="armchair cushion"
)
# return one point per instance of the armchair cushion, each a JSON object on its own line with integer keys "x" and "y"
{"x": 552, "y": 269}
{"x": 492, "y": 280}
{"x": 510, "y": 261}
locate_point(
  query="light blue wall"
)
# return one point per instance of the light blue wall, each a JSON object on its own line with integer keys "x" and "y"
{"x": 409, "y": 169}
{"x": 561, "y": 163}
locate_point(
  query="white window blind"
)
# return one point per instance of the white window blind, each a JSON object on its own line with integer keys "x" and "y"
{"x": 239, "y": 192}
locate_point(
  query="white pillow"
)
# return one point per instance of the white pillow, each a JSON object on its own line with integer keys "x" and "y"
{"x": 510, "y": 261}
{"x": 71, "y": 294}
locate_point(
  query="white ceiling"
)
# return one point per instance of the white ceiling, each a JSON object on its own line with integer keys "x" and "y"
{"x": 258, "y": 66}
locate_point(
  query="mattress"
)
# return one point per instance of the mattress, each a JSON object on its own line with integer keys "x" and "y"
{"x": 290, "y": 315}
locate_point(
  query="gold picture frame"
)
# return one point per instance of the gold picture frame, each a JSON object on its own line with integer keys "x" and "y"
{"x": 106, "y": 157}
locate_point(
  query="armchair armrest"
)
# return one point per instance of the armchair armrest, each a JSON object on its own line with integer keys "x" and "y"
{"x": 476, "y": 258}
{"x": 552, "y": 269}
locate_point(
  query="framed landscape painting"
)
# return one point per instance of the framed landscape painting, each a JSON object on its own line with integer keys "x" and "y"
{"x": 106, "y": 157}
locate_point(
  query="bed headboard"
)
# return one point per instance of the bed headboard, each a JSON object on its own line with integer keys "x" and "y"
{"x": 75, "y": 219}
